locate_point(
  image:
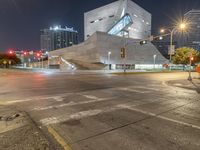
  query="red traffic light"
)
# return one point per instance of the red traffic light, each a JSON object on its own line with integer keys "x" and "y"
{"x": 11, "y": 52}
{"x": 25, "y": 53}
{"x": 38, "y": 54}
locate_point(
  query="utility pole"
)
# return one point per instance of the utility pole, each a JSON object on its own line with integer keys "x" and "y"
{"x": 191, "y": 59}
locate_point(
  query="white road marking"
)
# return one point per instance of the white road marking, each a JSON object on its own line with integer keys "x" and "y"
{"x": 83, "y": 114}
{"x": 178, "y": 84}
{"x": 88, "y": 113}
{"x": 72, "y": 103}
{"x": 133, "y": 90}
{"x": 59, "y": 98}
{"x": 44, "y": 97}
{"x": 78, "y": 115}
{"x": 18, "y": 101}
{"x": 160, "y": 117}
{"x": 148, "y": 88}
{"x": 90, "y": 97}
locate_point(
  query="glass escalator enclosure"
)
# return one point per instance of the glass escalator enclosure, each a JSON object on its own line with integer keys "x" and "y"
{"x": 121, "y": 25}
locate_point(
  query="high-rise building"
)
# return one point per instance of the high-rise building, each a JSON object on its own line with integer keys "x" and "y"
{"x": 193, "y": 36}
{"x": 117, "y": 17}
{"x": 57, "y": 37}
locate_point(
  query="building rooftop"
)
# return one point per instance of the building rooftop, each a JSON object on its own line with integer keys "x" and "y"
{"x": 193, "y": 11}
{"x": 59, "y": 28}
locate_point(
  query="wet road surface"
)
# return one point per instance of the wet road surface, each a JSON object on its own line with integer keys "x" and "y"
{"x": 96, "y": 111}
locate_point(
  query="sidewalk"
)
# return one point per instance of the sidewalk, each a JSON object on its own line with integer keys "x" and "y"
{"x": 191, "y": 85}
{"x": 18, "y": 132}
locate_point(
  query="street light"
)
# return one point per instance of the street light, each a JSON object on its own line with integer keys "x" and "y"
{"x": 109, "y": 63}
{"x": 182, "y": 26}
{"x": 160, "y": 38}
{"x": 162, "y": 31}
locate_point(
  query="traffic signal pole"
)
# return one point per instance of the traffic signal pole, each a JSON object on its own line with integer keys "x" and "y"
{"x": 124, "y": 57}
{"x": 190, "y": 76}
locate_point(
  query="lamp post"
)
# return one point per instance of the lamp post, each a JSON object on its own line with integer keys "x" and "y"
{"x": 154, "y": 61}
{"x": 42, "y": 63}
{"x": 48, "y": 60}
{"x": 191, "y": 59}
{"x": 181, "y": 26}
{"x": 109, "y": 62}
{"x": 39, "y": 62}
{"x": 171, "y": 44}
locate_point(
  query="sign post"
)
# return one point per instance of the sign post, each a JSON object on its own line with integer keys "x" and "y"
{"x": 171, "y": 51}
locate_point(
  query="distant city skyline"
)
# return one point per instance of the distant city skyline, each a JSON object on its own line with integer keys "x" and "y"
{"x": 21, "y": 21}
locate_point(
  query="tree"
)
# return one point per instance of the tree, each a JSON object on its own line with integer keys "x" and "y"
{"x": 6, "y": 58}
{"x": 182, "y": 55}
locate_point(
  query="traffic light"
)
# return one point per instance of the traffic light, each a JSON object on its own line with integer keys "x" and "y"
{"x": 11, "y": 52}
{"x": 25, "y": 53}
{"x": 123, "y": 52}
{"x": 38, "y": 55}
{"x": 143, "y": 42}
{"x": 192, "y": 58}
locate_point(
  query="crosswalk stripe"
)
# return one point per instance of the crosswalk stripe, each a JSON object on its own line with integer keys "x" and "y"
{"x": 78, "y": 115}
{"x": 72, "y": 103}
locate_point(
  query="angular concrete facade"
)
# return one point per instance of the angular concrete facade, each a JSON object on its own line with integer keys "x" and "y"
{"x": 103, "y": 18}
{"x": 96, "y": 49}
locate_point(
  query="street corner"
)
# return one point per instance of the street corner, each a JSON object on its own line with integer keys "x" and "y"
{"x": 11, "y": 119}
{"x": 186, "y": 84}
{"x": 17, "y": 131}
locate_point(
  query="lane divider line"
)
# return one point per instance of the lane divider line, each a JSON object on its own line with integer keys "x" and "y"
{"x": 58, "y": 138}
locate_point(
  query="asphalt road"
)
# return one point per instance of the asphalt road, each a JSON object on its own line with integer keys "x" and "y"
{"x": 96, "y": 111}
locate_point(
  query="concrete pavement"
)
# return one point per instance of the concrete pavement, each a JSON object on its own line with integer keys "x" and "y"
{"x": 192, "y": 85}
{"x": 18, "y": 132}
{"x": 106, "y": 112}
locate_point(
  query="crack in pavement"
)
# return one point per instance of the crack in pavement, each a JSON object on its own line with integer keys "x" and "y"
{"x": 149, "y": 116}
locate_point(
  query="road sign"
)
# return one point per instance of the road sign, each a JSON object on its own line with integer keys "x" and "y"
{"x": 151, "y": 38}
{"x": 171, "y": 50}
{"x": 4, "y": 62}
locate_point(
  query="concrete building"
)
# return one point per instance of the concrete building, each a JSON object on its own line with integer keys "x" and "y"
{"x": 104, "y": 18}
{"x": 193, "y": 36}
{"x": 57, "y": 38}
{"x": 109, "y": 30}
{"x": 102, "y": 49}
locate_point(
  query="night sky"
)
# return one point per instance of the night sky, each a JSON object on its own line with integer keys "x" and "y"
{"x": 21, "y": 20}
